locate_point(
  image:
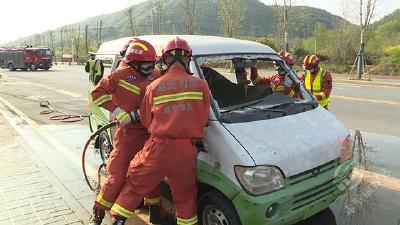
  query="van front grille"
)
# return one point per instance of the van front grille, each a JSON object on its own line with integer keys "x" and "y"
{"x": 304, "y": 198}
{"x": 312, "y": 173}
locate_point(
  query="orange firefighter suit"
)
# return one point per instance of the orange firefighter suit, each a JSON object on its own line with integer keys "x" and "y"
{"x": 175, "y": 110}
{"x": 276, "y": 82}
{"x": 124, "y": 88}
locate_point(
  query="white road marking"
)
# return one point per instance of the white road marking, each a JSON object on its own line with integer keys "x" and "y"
{"x": 367, "y": 84}
{"x": 80, "y": 97}
{"x": 345, "y": 85}
{"x": 366, "y": 100}
{"x": 20, "y": 82}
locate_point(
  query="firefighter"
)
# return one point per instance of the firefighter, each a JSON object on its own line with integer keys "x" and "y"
{"x": 317, "y": 80}
{"x": 175, "y": 110}
{"x": 122, "y": 93}
{"x": 95, "y": 68}
{"x": 122, "y": 53}
{"x": 277, "y": 82}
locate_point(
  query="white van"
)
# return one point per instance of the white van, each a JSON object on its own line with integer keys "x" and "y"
{"x": 267, "y": 158}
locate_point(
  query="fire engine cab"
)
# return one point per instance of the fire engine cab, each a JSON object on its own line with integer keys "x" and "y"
{"x": 26, "y": 58}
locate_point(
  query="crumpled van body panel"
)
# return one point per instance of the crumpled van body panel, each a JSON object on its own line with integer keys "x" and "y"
{"x": 295, "y": 143}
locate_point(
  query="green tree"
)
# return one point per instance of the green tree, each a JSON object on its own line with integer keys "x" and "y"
{"x": 268, "y": 41}
{"x": 231, "y": 13}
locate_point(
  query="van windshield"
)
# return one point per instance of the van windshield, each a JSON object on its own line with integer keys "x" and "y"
{"x": 248, "y": 88}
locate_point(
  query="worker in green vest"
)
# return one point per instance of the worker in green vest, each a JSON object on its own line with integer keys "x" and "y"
{"x": 95, "y": 68}
{"x": 317, "y": 80}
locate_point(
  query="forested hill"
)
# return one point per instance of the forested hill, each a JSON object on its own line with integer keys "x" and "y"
{"x": 385, "y": 32}
{"x": 259, "y": 20}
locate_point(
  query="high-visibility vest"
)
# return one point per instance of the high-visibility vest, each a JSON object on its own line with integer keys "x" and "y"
{"x": 91, "y": 66}
{"x": 94, "y": 64}
{"x": 316, "y": 86}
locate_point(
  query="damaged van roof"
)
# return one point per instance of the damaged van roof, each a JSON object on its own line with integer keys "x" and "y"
{"x": 201, "y": 45}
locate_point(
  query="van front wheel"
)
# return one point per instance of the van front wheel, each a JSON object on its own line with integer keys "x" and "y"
{"x": 105, "y": 146}
{"x": 215, "y": 209}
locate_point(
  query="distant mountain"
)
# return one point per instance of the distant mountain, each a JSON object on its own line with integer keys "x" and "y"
{"x": 260, "y": 20}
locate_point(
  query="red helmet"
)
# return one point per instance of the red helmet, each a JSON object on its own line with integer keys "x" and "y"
{"x": 287, "y": 57}
{"x": 311, "y": 61}
{"x": 123, "y": 50}
{"x": 140, "y": 51}
{"x": 177, "y": 43}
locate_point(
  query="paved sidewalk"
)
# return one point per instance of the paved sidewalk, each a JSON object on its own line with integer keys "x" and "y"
{"x": 29, "y": 192}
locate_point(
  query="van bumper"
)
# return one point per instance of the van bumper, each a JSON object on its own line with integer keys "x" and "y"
{"x": 297, "y": 201}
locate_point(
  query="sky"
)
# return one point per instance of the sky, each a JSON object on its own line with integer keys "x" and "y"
{"x": 35, "y": 16}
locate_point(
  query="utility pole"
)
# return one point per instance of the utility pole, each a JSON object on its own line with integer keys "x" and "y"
{"x": 86, "y": 40}
{"x": 285, "y": 13}
{"x": 62, "y": 45}
{"x": 100, "y": 24}
{"x": 152, "y": 22}
{"x": 315, "y": 45}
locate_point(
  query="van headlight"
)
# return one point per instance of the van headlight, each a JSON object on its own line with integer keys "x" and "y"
{"x": 258, "y": 180}
{"x": 347, "y": 150}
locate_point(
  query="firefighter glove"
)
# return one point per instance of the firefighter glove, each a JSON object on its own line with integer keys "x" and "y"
{"x": 123, "y": 117}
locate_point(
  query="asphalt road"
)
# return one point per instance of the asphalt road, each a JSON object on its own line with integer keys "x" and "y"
{"x": 375, "y": 110}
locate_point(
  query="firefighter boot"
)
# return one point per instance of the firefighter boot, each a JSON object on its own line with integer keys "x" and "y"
{"x": 97, "y": 216}
{"x": 155, "y": 214}
{"x": 118, "y": 220}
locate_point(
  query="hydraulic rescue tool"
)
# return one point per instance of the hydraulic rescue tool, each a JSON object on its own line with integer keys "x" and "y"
{"x": 91, "y": 138}
{"x": 62, "y": 116}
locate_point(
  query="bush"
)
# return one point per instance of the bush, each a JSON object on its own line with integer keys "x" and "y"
{"x": 391, "y": 61}
{"x": 299, "y": 53}
{"x": 337, "y": 68}
{"x": 268, "y": 41}
{"x": 386, "y": 69}
{"x": 393, "y": 53}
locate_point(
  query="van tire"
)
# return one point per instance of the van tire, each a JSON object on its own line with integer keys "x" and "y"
{"x": 11, "y": 67}
{"x": 105, "y": 146}
{"x": 214, "y": 206}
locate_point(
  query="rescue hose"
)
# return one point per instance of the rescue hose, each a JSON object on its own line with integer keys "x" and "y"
{"x": 91, "y": 138}
{"x": 62, "y": 116}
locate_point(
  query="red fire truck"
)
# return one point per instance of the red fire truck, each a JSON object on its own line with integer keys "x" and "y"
{"x": 26, "y": 58}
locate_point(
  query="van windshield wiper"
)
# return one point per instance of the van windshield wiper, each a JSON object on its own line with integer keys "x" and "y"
{"x": 286, "y": 104}
{"x": 241, "y": 106}
{"x": 268, "y": 110}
